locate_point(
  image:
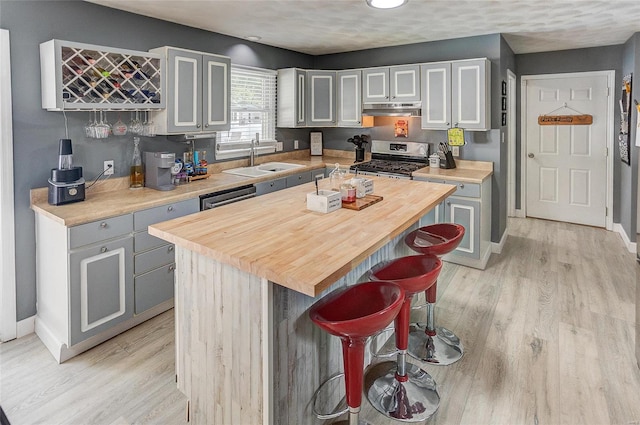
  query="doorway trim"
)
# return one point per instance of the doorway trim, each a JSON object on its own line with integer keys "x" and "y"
{"x": 8, "y": 320}
{"x": 511, "y": 144}
{"x": 609, "y": 142}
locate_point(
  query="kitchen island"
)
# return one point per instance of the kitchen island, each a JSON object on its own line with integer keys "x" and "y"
{"x": 246, "y": 273}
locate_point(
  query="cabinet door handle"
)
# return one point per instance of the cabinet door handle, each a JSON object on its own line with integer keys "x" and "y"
{"x": 197, "y": 125}
{"x": 449, "y": 203}
{"x": 103, "y": 249}
{"x": 170, "y": 248}
{"x": 461, "y": 185}
{"x": 206, "y": 126}
{"x": 530, "y": 155}
{"x": 170, "y": 208}
{"x": 172, "y": 268}
{"x": 103, "y": 225}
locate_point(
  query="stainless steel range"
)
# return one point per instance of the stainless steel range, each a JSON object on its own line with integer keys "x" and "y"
{"x": 394, "y": 159}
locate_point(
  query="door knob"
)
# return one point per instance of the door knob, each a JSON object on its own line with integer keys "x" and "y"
{"x": 531, "y": 155}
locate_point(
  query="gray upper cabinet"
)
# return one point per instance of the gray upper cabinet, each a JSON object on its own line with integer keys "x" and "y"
{"x": 291, "y": 98}
{"x": 471, "y": 94}
{"x": 456, "y": 94}
{"x": 391, "y": 84}
{"x": 199, "y": 92}
{"x": 349, "y": 99}
{"x": 321, "y": 93}
{"x": 375, "y": 85}
{"x": 436, "y": 96}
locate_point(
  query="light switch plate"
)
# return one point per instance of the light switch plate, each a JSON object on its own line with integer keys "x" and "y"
{"x": 279, "y": 146}
{"x": 455, "y": 150}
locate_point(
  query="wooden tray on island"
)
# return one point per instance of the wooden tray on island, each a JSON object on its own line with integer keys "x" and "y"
{"x": 362, "y": 203}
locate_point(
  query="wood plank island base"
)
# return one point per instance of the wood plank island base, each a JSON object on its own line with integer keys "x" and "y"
{"x": 246, "y": 274}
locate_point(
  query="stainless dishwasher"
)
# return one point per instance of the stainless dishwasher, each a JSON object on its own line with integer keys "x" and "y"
{"x": 224, "y": 197}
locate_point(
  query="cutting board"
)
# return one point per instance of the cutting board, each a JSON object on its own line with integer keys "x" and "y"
{"x": 362, "y": 203}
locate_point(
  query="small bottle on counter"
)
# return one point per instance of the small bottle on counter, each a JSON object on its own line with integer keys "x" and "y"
{"x": 136, "y": 176}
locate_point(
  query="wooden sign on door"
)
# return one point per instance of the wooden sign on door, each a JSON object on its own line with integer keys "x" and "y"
{"x": 565, "y": 119}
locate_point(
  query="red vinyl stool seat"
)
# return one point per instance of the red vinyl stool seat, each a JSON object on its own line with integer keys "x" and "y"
{"x": 353, "y": 314}
{"x": 436, "y": 345}
{"x": 399, "y": 389}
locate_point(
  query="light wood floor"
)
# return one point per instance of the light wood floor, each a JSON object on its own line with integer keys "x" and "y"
{"x": 548, "y": 330}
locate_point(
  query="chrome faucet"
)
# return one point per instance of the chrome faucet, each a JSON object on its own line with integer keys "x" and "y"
{"x": 252, "y": 154}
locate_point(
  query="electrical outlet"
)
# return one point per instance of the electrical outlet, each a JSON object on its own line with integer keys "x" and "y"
{"x": 455, "y": 150}
{"x": 108, "y": 167}
{"x": 296, "y": 145}
{"x": 279, "y": 146}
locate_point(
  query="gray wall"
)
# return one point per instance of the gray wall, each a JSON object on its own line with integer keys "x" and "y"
{"x": 578, "y": 60}
{"x": 36, "y": 131}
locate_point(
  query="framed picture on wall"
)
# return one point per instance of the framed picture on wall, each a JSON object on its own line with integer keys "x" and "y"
{"x": 504, "y": 103}
{"x": 504, "y": 119}
{"x": 504, "y": 88}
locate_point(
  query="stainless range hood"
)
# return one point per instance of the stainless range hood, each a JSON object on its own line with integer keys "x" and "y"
{"x": 409, "y": 109}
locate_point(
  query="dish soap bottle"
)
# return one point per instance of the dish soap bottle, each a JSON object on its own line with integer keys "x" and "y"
{"x": 136, "y": 176}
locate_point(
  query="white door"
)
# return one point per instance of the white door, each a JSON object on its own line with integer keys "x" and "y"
{"x": 567, "y": 164}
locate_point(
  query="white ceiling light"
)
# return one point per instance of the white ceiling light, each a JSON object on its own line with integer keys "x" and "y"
{"x": 254, "y": 38}
{"x": 386, "y": 4}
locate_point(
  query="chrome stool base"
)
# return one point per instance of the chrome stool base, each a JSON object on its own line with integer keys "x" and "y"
{"x": 442, "y": 349}
{"x": 414, "y": 400}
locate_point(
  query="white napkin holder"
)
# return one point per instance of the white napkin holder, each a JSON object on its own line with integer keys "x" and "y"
{"x": 325, "y": 201}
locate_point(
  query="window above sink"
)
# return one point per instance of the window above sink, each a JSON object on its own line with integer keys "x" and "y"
{"x": 253, "y": 110}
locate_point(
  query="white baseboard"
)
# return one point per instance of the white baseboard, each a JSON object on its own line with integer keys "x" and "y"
{"x": 520, "y": 214}
{"x": 26, "y": 327}
{"x": 496, "y": 248}
{"x": 631, "y": 246}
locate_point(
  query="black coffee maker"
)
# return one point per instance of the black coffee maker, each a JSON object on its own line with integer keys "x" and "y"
{"x": 66, "y": 184}
{"x": 359, "y": 140}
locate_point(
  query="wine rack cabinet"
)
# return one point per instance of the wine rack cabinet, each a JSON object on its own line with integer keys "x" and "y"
{"x": 77, "y": 76}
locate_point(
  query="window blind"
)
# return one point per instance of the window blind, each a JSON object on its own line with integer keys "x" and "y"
{"x": 253, "y": 110}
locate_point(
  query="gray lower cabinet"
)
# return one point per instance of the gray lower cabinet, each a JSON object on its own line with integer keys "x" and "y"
{"x": 292, "y": 180}
{"x": 154, "y": 258}
{"x": 469, "y": 206}
{"x": 98, "y": 279}
{"x": 269, "y": 186}
{"x": 101, "y": 290}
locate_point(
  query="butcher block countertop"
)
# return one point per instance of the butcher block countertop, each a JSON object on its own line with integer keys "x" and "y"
{"x": 113, "y": 197}
{"x": 275, "y": 237}
{"x": 465, "y": 171}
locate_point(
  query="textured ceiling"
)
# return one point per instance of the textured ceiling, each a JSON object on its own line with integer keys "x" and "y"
{"x": 330, "y": 26}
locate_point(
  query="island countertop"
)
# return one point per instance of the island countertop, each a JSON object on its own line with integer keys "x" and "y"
{"x": 275, "y": 237}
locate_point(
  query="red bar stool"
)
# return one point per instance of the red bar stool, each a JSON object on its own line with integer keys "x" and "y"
{"x": 353, "y": 314}
{"x": 402, "y": 390}
{"x": 429, "y": 343}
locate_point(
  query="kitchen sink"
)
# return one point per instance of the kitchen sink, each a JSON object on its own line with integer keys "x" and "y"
{"x": 262, "y": 169}
{"x": 274, "y": 167}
